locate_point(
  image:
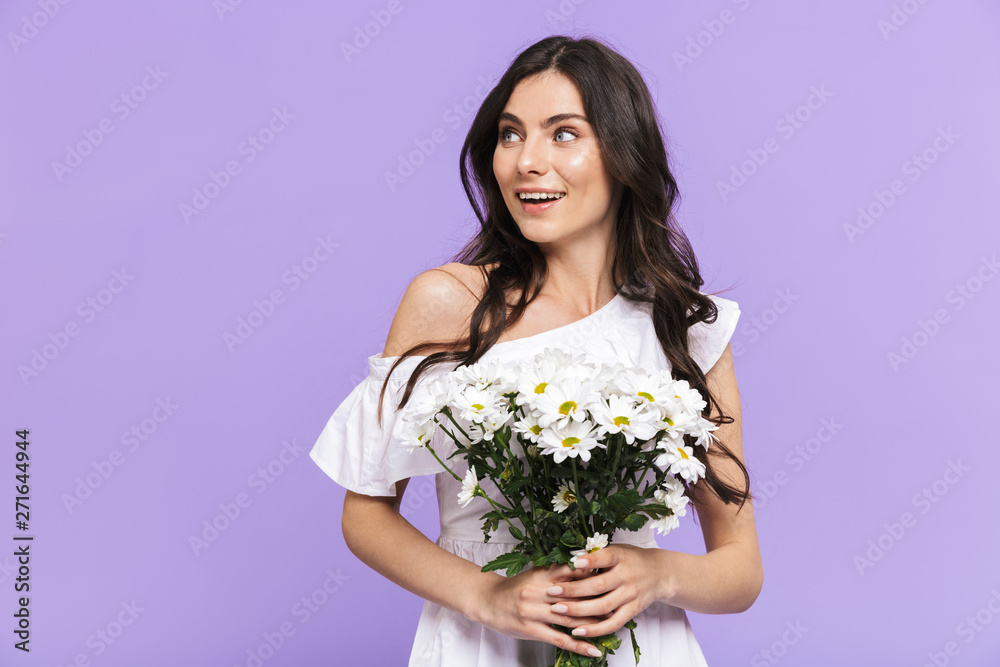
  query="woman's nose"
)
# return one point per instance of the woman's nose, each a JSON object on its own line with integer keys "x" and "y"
{"x": 534, "y": 155}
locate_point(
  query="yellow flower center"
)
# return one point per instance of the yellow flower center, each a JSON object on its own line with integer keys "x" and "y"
{"x": 540, "y": 389}
{"x": 570, "y": 441}
{"x": 536, "y": 429}
{"x": 566, "y": 407}
{"x": 621, "y": 420}
{"x": 681, "y": 450}
{"x": 478, "y": 406}
{"x": 647, "y": 396}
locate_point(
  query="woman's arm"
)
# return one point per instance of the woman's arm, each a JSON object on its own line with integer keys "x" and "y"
{"x": 381, "y": 538}
{"x": 728, "y": 578}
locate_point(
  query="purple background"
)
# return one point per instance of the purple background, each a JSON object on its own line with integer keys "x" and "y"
{"x": 823, "y": 309}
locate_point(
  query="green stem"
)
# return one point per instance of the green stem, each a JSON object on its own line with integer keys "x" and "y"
{"x": 579, "y": 496}
{"x": 453, "y": 473}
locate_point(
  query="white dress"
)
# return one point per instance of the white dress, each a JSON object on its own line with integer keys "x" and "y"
{"x": 354, "y": 452}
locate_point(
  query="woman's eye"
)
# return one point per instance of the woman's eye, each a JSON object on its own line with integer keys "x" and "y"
{"x": 571, "y": 134}
{"x": 504, "y": 133}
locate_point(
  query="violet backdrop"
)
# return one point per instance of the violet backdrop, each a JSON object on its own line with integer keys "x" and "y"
{"x": 171, "y": 169}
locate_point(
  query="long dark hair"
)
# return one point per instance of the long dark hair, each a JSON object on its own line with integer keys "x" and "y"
{"x": 653, "y": 262}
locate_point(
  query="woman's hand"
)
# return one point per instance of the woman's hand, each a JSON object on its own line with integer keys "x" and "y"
{"x": 630, "y": 581}
{"x": 521, "y": 607}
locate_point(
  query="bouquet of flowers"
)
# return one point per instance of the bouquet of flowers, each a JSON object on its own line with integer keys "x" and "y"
{"x": 566, "y": 442}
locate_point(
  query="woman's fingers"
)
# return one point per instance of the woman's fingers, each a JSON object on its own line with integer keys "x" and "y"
{"x": 568, "y": 642}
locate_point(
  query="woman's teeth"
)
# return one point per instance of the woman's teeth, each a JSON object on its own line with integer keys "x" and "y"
{"x": 540, "y": 195}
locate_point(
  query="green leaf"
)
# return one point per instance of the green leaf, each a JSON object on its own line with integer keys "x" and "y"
{"x": 609, "y": 642}
{"x": 624, "y": 501}
{"x": 515, "y": 532}
{"x": 634, "y": 521}
{"x": 512, "y": 561}
{"x": 635, "y": 645}
{"x": 573, "y": 538}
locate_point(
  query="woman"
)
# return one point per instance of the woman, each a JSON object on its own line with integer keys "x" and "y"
{"x": 566, "y": 169}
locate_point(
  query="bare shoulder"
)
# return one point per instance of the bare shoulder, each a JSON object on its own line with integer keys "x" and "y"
{"x": 436, "y": 306}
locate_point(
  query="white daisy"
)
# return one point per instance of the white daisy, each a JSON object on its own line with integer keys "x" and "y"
{"x": 574, "y": 439}
{"x": 666, "y": 524}
{"x": 622, "y": 414}
{"x": 470, "y": 487}
{"x": 565, "y": 401}
{"x": 651, "y": 390}
{"x": 678, "y": 459}
{"x": 528, "y": 427}
{"x": 481, "y": 375}
{"x": 702, "y": 431}
{"x": 689, "y": 397}
{"x": 674, "y": 490}
{"x": 493, "y": 422}
{"x": 477, "y": 405}
{"x": 594, "y": 543}
{"x": 673, "y": 498}
{"x": 563, "y": 498}
{"x": 417, "y": 434}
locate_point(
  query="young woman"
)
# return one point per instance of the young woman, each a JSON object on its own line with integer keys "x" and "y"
{"x": 566, "y": 169}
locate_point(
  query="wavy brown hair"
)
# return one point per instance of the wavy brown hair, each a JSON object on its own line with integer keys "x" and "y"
{"x": 653, "y": 260}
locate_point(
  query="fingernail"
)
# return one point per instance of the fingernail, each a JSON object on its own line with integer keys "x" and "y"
{"x": 579, "y": 632}
{"x": 555, "y": 590}
{"x": 582, "y": 563}
{"x": 594, "y": 652}
{"x": 560, "y": 608}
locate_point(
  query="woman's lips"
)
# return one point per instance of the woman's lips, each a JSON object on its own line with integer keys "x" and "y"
{"x": 533, "y": 207}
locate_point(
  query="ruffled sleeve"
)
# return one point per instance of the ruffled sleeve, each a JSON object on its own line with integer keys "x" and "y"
{"x": 360, "y": 455}
{"x": 707, "y": 341}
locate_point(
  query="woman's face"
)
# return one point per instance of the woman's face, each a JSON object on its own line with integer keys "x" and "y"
{"x": 545, "y": 144}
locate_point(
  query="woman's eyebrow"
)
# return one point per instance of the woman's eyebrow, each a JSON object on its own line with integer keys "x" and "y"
{"x": 552, "y": 120}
